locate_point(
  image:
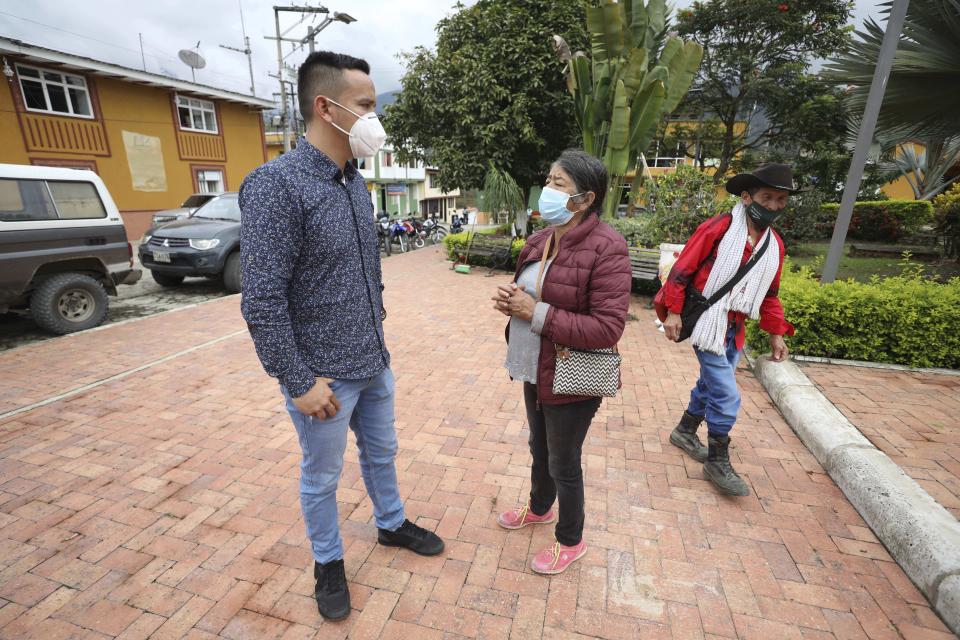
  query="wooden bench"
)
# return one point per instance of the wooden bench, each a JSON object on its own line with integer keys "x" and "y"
{"x": 645, "y": 263}
{"x": 497, "y": 251}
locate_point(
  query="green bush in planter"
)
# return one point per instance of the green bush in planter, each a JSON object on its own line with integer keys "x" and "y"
{"x": 884, "y": 220}
{"x": 908, "y": 319}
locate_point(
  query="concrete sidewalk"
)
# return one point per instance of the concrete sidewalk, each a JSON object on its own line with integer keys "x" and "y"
{"x": 163, "y": 502}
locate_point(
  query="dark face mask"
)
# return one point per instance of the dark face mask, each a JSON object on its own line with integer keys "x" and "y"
{"x": 761, "y": 216}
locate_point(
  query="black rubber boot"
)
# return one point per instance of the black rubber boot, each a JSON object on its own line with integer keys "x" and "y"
{"x": 684, "y": 435}
{"x": 718, "y": 470}
{"x": 331, "y": 592}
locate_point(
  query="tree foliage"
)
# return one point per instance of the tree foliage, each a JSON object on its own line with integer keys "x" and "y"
{"x": 492, "y": 91}
{"x": 634, "y": 75}
{"x": 921, "y": 95}
{"x": 754, "y": 69}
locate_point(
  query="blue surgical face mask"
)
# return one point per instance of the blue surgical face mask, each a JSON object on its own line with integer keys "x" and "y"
{"x": 553, "y": 206}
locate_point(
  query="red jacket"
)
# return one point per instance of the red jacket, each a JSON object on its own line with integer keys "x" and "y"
{"x": 693, "y": 268}
{"x": 588, "y": 289}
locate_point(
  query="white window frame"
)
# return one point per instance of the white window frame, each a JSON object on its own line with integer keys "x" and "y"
{"x": 44, "y": 82}
{"x": 205, "y": 106}
{"x": 201, "y": 181}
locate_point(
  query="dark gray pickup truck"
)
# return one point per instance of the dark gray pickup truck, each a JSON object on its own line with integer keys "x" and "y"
{"x": 63, "y": 247}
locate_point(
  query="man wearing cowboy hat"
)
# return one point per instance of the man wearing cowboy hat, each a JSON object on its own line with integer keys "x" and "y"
{"x": 709, "y": 260}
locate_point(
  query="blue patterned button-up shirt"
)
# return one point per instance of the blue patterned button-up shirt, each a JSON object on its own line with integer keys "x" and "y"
{"x": 312, "y": 291}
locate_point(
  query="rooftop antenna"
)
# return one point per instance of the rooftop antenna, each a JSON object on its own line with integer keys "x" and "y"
{"x": 246, "y": 49}
{"x": 193, "y": 59}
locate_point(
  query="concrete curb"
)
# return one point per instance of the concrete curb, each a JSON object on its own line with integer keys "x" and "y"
{"x": 922, "y": 536}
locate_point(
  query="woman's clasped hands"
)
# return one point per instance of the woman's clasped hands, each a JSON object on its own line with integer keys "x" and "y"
{"x": 512, "y": 300}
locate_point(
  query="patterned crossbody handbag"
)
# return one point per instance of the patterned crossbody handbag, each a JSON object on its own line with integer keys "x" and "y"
{"x": 582, "y": 372}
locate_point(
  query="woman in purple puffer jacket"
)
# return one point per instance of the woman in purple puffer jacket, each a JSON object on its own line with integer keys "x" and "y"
{"x": 571, "y": 288}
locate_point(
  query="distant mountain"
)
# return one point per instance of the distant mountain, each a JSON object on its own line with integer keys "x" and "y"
{"x": 384, "y": 99}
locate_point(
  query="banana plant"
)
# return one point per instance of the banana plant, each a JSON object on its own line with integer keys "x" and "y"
{"x": 635, "y": 74}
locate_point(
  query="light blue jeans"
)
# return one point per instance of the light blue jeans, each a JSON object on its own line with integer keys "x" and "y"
{"x": 716, "y": 395}
{"x": 366, "y": 406}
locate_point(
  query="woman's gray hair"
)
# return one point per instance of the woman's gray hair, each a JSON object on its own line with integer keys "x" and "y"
{"x": 587, "y": 173}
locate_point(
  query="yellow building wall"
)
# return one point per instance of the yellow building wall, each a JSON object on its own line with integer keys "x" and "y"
{"x": 899, "y": 189}
{"x": 147, "y": 111}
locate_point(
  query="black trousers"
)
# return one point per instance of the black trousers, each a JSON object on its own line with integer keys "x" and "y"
{"x": 557, "y": 433}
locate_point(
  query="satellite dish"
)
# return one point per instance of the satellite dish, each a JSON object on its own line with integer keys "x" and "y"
{"x": 192, "y": 59}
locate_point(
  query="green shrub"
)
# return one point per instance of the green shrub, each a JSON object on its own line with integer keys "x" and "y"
{"x": 457, "y": 243}
{"x": 678, "y": 202}
{"x": 637, "y": 231}
{"x": 908, "y": 319}
{"x": 805, "y": 219}
{"x": 947, "y": 207}
{"x": 884, "y": 220}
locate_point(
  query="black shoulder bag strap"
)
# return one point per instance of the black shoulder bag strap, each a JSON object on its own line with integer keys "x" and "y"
{"x": 741, "y": 272}
{"x": 694, "y": 304}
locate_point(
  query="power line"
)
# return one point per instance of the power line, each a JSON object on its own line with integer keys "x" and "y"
{"x": 157, "y": 56}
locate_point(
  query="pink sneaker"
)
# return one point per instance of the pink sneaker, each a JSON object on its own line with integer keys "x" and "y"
{"x": 556, "y": 558}
{"x": 522, "y": 516}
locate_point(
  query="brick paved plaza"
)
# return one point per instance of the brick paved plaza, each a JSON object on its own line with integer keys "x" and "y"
{"x": 163, "y": 503}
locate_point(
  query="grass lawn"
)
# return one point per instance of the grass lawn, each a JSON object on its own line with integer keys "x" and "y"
{"x": 861, "y": 268}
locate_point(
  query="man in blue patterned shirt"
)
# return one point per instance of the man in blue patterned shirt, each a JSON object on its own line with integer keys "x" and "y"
{"x": 312, "y": 299}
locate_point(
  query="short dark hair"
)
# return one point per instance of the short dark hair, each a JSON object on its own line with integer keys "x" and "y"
{"x": 587, "y": 173}
{"x": 322, "y": 73}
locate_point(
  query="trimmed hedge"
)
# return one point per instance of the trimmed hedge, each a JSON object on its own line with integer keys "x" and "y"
{"x": 457, "y": 243}
{"x": 908, "y": 319}
{"x": 882, "y": 220}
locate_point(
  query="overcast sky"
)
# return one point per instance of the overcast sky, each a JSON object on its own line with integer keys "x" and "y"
{"x": 108, "y": 30}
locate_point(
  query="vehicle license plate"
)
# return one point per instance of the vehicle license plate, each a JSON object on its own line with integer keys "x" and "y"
{"x": 161, "y": 256}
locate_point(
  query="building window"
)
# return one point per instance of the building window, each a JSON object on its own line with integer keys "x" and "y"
{"x": 196, "y": 115}
{"x": 387, "y": 159}
{"x": 432, "y": 180}
{"x": 209, "y": 180}
{"x": 54, "y": 92}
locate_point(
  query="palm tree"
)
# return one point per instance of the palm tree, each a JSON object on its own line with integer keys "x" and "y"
{"x": 924, "y": 164}
{"x": 501, "y": 193}
{"x": 921, "y": 97}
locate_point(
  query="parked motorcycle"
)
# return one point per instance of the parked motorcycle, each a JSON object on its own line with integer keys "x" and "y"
{"x": 457, "y": 225}
{"x": 415, "y": 232}
{"x": 383, "y": 233}
{"x": 398, "y": 234}
{"x": 434, "y": 230}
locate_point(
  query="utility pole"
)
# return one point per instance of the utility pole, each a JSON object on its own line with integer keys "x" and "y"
{"x": 311, "y": 34}
{"x": 888, "y": 48}
{"x": 285, "y": 114}
{"x": 246, "y": 49}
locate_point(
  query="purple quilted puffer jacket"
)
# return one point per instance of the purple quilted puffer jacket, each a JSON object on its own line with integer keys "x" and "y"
{"x": 588, "y": 289}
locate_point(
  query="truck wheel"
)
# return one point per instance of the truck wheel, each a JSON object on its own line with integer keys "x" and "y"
{"x": 166, "y": 279}
{"x": 231, "y": 273}
{"x": 69, "y": 302}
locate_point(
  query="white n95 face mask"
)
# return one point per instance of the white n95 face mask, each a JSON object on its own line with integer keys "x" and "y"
{"x": 366, "y": 135}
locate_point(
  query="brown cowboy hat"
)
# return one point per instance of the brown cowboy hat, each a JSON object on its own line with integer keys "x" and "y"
{"x": 772, "y": 174}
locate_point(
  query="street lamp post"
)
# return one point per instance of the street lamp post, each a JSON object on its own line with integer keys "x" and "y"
{"x": 312, "y": 33}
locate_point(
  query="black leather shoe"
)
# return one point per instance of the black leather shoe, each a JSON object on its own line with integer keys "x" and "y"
{"x": 412, "y": 537}
{"x": 331, "y": 592}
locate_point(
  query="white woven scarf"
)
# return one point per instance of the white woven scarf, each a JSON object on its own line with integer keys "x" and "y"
{"x": 711, "y": 330}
